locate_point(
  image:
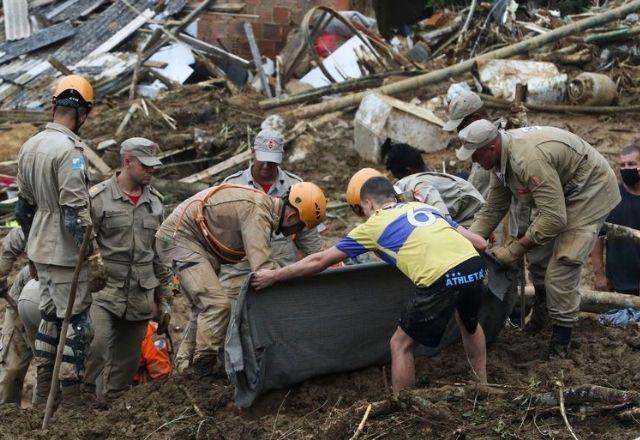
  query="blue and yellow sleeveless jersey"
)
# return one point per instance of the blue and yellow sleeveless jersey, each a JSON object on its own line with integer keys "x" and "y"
{"x": 415, "y": 238}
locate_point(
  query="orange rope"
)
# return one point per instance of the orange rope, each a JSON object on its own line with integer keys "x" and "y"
{"x": 225, "y": 253}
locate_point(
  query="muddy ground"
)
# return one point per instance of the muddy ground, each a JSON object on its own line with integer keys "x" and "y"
{"x": 331, "y": 407}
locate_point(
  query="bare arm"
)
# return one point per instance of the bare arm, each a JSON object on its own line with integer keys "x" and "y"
{"x": 476, "y": 240}
{"x": 309, "y": 265}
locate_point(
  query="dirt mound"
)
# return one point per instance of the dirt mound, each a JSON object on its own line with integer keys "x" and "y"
{"x": 331, "y": 406}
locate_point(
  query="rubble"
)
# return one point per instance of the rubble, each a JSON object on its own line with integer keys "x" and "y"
{"x": 204, "y": 103}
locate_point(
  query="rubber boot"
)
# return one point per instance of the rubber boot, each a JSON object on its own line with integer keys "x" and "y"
{"x": 560, "y": 342}
{"x": 76, "y": 395}
{"x": 203, "y": 366}
{"x": 44, "y": 375}
{"x": 539, "y": 314}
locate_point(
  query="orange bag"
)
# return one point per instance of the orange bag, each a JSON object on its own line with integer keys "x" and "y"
{"x": 155, "y": 360}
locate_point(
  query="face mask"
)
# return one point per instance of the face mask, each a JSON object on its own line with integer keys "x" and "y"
{"x": 630, "y": 176}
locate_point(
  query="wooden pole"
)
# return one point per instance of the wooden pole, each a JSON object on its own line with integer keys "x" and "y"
{"x": 65, "y": 326}
{"x": 445, "y": 74}
{"x": 593, "y": 301}
{"x": 257, "y": 59}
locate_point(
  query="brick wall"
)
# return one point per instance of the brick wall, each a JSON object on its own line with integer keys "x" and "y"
{"x": 276, "y": 18}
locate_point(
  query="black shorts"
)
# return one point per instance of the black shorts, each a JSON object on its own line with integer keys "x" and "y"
{"x": 429, "y": 309}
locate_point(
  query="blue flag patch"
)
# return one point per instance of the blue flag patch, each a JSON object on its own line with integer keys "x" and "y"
{"x": 77, "y": 163}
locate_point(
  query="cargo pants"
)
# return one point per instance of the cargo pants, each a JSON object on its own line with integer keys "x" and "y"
{"x": 558, "y": 265}
{"x": 55, "y": 286}
{"x": 210, "y": 305}
{"x": 115, "y": 350}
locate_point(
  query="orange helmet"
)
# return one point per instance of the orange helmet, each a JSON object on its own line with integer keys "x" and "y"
{"x": 355, "y": 185}
{"x": 310, "y": 202}
{"x": 73, "y": 91}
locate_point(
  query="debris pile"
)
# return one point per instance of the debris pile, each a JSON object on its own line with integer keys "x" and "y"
{"x": 339, "y": 90}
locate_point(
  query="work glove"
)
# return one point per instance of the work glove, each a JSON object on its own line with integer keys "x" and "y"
{"x": 163, "y": 318}
{"x": 97, "y": 273}
{"x": 509, "y": 253}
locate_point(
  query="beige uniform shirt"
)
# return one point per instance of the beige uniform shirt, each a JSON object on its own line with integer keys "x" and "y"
{"x": 451, "y": 195}
{"x": 555, "y": 171}
{"x": 13, "y": 245}
{"x": 52, "y": 173}
{"x": 283, "y": 248}
{"x": 240, "y": 218}
{"x": 126, "y": 235}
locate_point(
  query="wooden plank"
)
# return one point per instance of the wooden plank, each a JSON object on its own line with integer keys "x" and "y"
{"x": 175, "y": 151}
{"x": 257, "y": 59}
{"x": 96, "y": 161}
{"x": 223, "y": 166}
{"x": 123, "y": 33}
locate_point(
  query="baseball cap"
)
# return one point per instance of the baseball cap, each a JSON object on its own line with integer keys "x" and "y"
{"x": 474, "y": 136}
{"x": 460, "y": 107}
{"x": 143, "y": 149}
{"x": 269, "y": 146}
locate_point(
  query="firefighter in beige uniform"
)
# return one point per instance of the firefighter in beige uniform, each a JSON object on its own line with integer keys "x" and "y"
{"x": 222, "y": 225}
{"x": 53, "y": 207}
{"x": 573, "y": 188}
{"x": 15, "y": 346}
{"x": 452, "y": 196}
{"x": 265, "y": 175}
{"x": 126, "y": 212}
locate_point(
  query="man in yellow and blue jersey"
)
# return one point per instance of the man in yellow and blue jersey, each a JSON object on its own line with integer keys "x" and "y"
{"x": 438, "y": 255}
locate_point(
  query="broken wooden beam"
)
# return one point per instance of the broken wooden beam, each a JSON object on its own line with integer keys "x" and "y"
{"x": 170, "y": 186}
{"x": 97, "y": 161}
{"x": 619, "y": 232}
{"x": 59, "y": 66}
{"x": 593, "y": 301}
{"x": 447, "y": 73}
{"x": 257, "y": 59}
{"x": 219, "y": 168}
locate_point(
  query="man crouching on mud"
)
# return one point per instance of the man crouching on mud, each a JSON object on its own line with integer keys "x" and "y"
{"x": 437, "y": 255}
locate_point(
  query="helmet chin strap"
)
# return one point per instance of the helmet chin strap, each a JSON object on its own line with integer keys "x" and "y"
{"x": 284, "y": 206}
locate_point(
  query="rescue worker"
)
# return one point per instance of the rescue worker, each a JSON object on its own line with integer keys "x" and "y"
{"x": 126, "y": 212}
{"x": 15, "y": 347}
{"x": 264, "y": 174}
{"x": 573, "y": 190}
{"x": 53, "y": 209}
{"x": 451, "y": 195}
{"x": 222, "y": 225}
{"x": 464, "y": 109}
{"x": 436, "y": 254}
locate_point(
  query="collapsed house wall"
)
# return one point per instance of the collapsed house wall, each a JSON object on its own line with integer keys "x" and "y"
{"x": 275, "y": 19}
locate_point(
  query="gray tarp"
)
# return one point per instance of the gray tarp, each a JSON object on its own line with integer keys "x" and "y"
{"x": 340, "y": 320}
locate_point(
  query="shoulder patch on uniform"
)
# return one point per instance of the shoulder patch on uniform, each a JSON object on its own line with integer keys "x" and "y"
{"x": 97, "y": 189}
{"x": 293, "y": 176}
{"x": 157, "y": 193}
{"x": 234, "y": 175}
{"x": 78, "y": 163}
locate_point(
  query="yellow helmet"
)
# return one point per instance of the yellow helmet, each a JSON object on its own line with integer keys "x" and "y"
{"x": 310, "y": 202}
{"x": 64, "y": 95}
{"x": 355, "y": 185}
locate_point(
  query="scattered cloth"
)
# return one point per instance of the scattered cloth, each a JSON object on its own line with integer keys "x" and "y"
{"x": 620, "y": 317}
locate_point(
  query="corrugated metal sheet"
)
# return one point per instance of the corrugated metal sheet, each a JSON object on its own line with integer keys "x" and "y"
{"x": 16, "y": 19}
{"x": 95, "y": 32}
{"x": 43, "y": 38}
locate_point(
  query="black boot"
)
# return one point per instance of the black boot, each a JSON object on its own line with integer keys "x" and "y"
{"x": 560, "y": 342}
{"x": 539, "y": 315}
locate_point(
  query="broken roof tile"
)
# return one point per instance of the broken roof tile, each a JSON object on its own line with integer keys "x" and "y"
{"x": 16, "y": 19}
